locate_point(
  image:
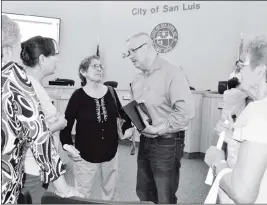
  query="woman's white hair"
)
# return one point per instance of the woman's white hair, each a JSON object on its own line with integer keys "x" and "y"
{"x": 10, "y": 32}
{"x": 257, "y": 48}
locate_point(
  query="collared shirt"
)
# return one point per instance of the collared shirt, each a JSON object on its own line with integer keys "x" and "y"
{"x": 167, "y": 95}
{"x": 23, "y": 126}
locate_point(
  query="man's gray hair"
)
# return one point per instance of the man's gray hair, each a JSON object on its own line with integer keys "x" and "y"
{"x": 137, "y": 35}
{"x": 10, "y": 32}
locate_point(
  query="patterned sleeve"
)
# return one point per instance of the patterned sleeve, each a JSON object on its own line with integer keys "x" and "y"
{"x": 35, "y": 126}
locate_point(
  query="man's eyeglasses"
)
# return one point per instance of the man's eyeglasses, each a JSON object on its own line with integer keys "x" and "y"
{"x": 96, "y": 66}
{"x": 130, "y": 51}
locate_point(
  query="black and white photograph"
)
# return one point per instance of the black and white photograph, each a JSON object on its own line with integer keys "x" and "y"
{"x": 134, "y": 102}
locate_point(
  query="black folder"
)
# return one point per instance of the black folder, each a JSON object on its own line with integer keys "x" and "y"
{"x": 143, "y": 112}
{"x": 137, "y": 113}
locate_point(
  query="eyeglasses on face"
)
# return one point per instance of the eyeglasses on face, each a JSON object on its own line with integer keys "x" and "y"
{"x": 96, "y": 66}
{"x": 130, "y": 51}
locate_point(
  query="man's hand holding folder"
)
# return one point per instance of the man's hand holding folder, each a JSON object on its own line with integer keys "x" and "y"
{"x": 149, "y": 131}
{"x": 153, "y": 131}
{"x": 139, "y": 115}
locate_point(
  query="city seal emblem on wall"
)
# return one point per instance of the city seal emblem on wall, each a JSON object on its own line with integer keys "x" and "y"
{"x": 165, "y": 37}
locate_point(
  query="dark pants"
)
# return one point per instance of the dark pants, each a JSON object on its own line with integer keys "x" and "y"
{"x": 158, "y": 168}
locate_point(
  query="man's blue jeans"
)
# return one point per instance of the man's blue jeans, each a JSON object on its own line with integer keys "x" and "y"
{"x": 158, "y": 168}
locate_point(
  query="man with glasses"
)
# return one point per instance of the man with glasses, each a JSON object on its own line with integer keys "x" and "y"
{"x": 165, "y": 91}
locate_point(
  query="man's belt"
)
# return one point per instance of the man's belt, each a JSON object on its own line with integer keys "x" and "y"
{"x": 179, "y": 134}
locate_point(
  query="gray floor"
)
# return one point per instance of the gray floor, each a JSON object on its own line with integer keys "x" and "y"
{"x": 191, "y": 188}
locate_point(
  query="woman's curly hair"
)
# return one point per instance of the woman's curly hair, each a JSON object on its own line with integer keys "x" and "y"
{"x": 84, "y": 65}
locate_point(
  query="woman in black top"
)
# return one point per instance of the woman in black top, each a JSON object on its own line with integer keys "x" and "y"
{"x": 96, "y": 139}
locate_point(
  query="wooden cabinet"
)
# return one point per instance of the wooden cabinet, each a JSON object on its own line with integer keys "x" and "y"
{"x": 193, "y": 133}
{"x": 210, "y": 116}
{"x": 200, "y": 133}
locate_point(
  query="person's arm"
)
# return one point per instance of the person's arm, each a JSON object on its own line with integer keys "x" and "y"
{"x": 249, "y": 94}
{"x": 54, "y": 127}
{"x": 70, "y": 115}
{"x": 182, "y": 103}
{"x": 35, "y": 128}
{"x": 37, "y": 131}
{"x": 243, "y": 183}
{"x": 127, "y": 124}
{"x": 60, "y": 124}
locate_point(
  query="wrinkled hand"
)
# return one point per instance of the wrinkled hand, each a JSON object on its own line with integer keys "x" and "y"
{"x": 73, "y": 152}
{"x": 150, "y": 131}
{"x": 214, "y": 155}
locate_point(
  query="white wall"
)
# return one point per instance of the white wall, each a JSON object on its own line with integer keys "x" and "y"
{"x": 255, "y": 18}
{"x": 79, "y": 29}
{"x": 208, "y": 44}
{"x": 207, "y": 49}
